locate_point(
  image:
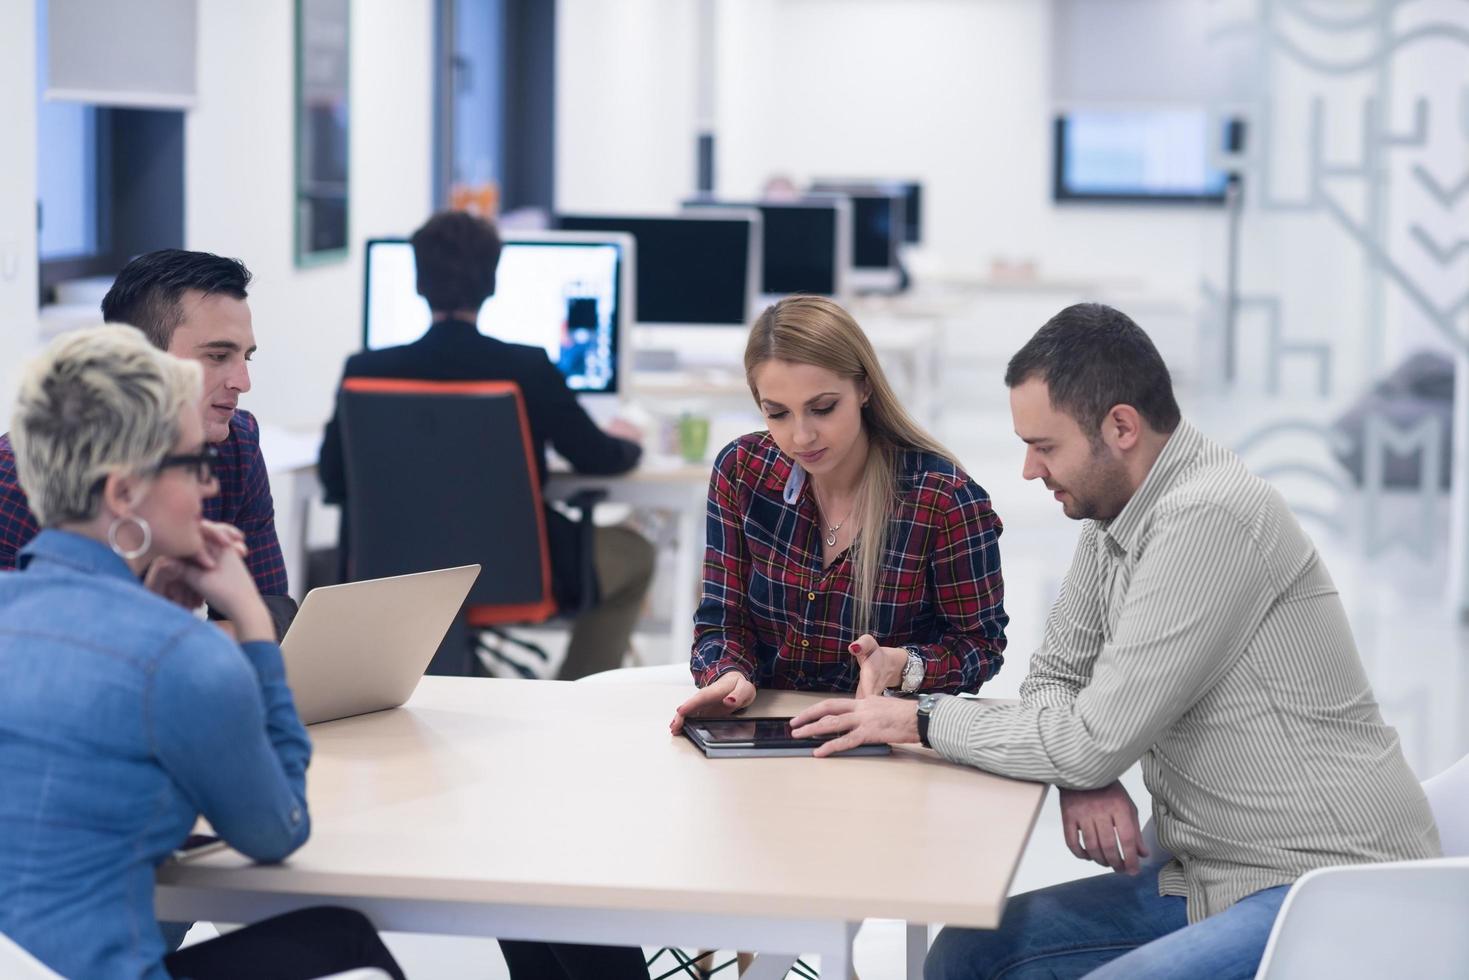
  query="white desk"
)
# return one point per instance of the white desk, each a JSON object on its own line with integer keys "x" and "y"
{"x": 290, "y": 462}
{"x": 679, "y": 489}
{"x": 555, "y": 811}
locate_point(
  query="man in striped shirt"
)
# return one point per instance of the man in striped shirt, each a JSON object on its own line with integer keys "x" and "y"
{"x": 1197, "y": 631}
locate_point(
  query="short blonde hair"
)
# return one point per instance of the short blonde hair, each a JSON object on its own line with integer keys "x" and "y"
{"x": 96, "y": 402}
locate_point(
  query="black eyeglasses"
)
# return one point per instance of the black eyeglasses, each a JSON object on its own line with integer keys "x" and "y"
{"x": 204, "y": 463}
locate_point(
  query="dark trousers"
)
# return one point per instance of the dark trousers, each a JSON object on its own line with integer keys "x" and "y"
{"x": 315, "y": 942}
{"x": 566, "y": 961}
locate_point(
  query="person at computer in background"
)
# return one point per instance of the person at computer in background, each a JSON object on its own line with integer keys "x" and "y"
{"x": 126, "y": 717}
{"x": 1197, "y": 632}
{"x": 456, "y": 254}
{"x": 847, "y": 549}
{"x": 192, "y": 305}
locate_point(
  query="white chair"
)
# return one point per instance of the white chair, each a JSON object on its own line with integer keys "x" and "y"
{"x": 1401, "y": 919}
{"x": 17, "y": 964}
{"x": 672, "y": 674}
{"x": 1448, "y": 794}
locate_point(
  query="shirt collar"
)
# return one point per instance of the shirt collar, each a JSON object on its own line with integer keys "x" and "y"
{"x": 791, "y": 492}
{"x": 1180, "y": 449}
{"x": 74, "y": 551}
{"x": 453, "y": 325}
{"x": 781, "y": 471}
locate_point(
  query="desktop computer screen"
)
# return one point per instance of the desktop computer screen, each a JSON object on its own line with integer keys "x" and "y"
{"x": 692, "y": 269}
{"x": 564, "y": 293}
{"x": 805, "y": 243}
{"x": 877, "y": 228}
{"x": 911, "y": 191}
{"x": 912, "y": 211}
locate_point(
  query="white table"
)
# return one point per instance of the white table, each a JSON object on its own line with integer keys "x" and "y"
{"x": 566, "y": 812}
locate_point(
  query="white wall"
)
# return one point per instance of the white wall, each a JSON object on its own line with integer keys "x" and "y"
{"x": 624, "y": 104}
{"x": 18, "y": 325}
{"x": 239, "y": 183}
{"x": 954, "y": 92}
{"x": 240, "y": 176}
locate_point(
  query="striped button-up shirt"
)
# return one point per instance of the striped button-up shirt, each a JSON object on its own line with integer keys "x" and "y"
{"x": 772, "y": 611}
{"x": 1199, "y": 632}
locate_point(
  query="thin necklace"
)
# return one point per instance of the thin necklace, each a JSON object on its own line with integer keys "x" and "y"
{"x": 831, "y": 529}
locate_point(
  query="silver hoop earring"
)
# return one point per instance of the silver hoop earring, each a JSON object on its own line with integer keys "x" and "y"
{"x": 118, "y": 549}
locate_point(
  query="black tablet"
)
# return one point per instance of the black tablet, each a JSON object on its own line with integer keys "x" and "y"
{"x": 743, "y": 738}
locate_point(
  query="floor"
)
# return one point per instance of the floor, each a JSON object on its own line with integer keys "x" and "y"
{"x": 1415, "y": 651}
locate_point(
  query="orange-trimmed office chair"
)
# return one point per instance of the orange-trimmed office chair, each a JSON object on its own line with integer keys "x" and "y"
{"x": 444, "y": 473}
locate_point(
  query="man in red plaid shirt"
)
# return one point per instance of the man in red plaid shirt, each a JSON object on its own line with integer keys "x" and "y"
{"x": 193, "y": 305}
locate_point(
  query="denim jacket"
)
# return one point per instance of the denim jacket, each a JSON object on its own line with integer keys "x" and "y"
{"x": 122, "y": 718}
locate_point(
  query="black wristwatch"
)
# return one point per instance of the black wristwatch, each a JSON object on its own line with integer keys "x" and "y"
{"x": 926, "y": 704}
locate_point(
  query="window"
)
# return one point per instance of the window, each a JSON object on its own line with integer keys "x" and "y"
{"x": 110, "y": 181}
{"x": 494, "y": 119}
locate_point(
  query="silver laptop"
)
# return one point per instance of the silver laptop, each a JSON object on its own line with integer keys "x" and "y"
{"x": 363, "y": 646}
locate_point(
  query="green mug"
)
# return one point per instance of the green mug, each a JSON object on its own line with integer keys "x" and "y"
{"x": 693, "y": 437}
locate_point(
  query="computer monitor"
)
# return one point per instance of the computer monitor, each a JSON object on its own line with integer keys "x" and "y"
{"x": 1165, "y": 156}
{"x": 694, "y": 269}
{"x": 569, "y": 293}
{"x": 877, "y": 230}
{"x": 805, "y": 244}
{"x": 910, "y": 190}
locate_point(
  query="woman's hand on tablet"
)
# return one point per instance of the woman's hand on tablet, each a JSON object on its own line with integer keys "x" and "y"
{"x": 879, "y": 667}
{"x": 730, "y": 692}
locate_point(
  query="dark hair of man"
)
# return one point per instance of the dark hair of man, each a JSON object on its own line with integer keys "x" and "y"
{"x": 147, "y": 291}
{"x": 456, "y": 254}
{"x": 1092, "y": 358}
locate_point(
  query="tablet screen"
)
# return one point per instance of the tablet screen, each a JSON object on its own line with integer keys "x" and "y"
{"x": 769, "y": 732}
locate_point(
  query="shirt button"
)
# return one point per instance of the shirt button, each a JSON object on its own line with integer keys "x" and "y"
{"x": 811, "y": 595}
{"x": 805, "y": 643}
{"x": 295, "y": 814}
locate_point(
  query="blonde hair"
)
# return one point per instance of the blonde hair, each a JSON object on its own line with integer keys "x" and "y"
{"x": 815, "y": 330}
{"x": 96, "y": 402}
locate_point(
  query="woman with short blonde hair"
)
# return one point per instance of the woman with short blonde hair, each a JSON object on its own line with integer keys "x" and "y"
{"x": 126, "y": 717}
{"x": 847, "y": 549}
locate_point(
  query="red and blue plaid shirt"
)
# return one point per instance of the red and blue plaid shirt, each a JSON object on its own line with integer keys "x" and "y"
{"x": 771, "y": 611}
{"x": 243, "y": 500}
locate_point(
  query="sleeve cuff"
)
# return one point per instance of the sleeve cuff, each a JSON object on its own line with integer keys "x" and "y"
{"x": 266, "y": 658}
{"x": 711, "y": 674}
{"x": 947, "y": 724}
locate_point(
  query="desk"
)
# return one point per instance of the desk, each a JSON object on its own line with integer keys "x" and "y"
{"x": 290, "y": 462}
{"x": 566, "y": 812}
{"x": 680, "y": 489}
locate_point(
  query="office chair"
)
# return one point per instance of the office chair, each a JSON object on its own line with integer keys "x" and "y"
{"x": 443, "y": 473}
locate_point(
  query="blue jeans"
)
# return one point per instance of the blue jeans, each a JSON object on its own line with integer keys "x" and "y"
{"x": 1109, "y": 927}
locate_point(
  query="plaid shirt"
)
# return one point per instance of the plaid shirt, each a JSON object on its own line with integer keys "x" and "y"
{"x": 772, "y": 612}
{"x": 243, "y": 500}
